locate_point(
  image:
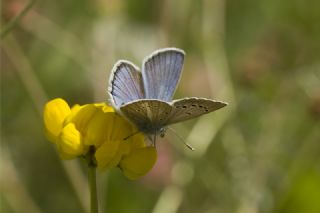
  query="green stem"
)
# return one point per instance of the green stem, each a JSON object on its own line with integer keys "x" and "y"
{"x": 92, "y": 182}
{"x": 93, "y": 189}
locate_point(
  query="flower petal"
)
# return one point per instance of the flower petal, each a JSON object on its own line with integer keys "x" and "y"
{"x": 63, "y": 155}
{"x": 99, "y": 128}
{"x": 74, "y": 110}
{"x": 137, "y": 141}
{"x": 106, "y": 153}
{"x": 55, "y": 112}
{"x": 81, "y": 116}
{"x": 71, "y": 141}
{"x": 124, "y": 149}
{"x": 139, "y": 162}
{"x": 94, "y": 121}
{"x": 122, "y": 128}
{"x": 104, "y": 107}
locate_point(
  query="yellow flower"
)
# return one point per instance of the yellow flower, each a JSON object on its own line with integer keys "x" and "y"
{"x": 98, "y": 125}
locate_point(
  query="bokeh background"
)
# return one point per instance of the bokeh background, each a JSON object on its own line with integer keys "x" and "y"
{"x": 259, "y": 154}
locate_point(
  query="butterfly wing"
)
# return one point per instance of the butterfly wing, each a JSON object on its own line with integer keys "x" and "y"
{"x": 148, "y": 115}
{"x": 188, "y": 108}
{"x": 125, "y": 83}
{"x": 161, "y": 72}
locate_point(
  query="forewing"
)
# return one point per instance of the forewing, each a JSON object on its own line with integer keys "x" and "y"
{"x": 188, "y": 108}
{"x": 125, "y": 83}
{"x": 161, "y": 72}
{"x": 147, "y": 115}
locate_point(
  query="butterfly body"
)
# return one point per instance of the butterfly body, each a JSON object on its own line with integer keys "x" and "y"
{"x": 144, "y": 97}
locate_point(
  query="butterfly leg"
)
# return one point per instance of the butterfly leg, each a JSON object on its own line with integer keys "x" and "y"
{"x": 129, "y": 136}
{"x": 154, "y": 140}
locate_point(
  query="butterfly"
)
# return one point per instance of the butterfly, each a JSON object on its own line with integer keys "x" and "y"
{"x": 145, "y": 97}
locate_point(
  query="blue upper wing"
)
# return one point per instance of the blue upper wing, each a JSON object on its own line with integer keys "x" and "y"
{"x": 161, "y": 72}
{"x": 125, "y": 83}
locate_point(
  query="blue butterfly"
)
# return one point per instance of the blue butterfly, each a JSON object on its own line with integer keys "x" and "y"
{"x": 145, "y": 97}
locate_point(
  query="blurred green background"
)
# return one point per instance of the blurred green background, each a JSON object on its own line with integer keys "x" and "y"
{"x": 259, "y": 154}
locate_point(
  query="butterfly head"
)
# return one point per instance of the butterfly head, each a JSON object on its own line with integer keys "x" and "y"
{"x": 155, "y": 133}
{"x": 162, "y": 132}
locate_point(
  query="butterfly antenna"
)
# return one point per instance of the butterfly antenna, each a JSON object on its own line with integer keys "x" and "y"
{"x": 129, "y": 136}
{"x": 181, "y": 139}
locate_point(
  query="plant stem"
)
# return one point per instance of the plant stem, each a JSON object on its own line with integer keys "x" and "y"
{"x": 92, "y": 180}
{"x": 93, "y": 188}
